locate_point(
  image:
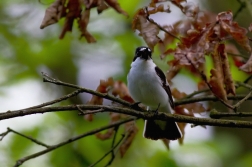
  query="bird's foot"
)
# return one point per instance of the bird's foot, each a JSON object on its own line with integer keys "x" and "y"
{"x": 135, "y": 106}
{"x": 156, "y": 111}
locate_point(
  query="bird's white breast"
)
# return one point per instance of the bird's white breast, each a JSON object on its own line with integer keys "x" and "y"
{"x": 145, "y": 86}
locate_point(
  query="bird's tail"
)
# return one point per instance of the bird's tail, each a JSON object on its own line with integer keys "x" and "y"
{"x": 156, "y": 129}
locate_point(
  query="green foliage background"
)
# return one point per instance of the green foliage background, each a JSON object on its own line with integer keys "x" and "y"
{"x": 25, "y": 51}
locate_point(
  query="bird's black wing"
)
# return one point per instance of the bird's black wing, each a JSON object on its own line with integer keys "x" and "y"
{"x": 166, "y": 87}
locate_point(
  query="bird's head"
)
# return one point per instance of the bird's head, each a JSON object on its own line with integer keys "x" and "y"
{"x": 143, "y": 52}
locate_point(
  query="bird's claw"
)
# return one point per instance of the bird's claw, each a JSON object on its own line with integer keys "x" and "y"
{"x": 135, "y": 105}
{"x": 156, "y": 111}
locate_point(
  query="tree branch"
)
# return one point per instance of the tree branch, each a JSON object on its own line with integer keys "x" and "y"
{"x": 215, "y": 114}
{"x": 53, "y": 147}
{"x": 29, "y": 138}
{"x": 110, "y": 151}
{"x": 145, "y": 115}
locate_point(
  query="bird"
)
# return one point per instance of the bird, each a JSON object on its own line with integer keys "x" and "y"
{"x": 147, "y": 84}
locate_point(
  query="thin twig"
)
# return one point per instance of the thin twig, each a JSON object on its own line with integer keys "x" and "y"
{"x": 248, "y": 79}
{"x": 103, "y": 95}
{"x": 51, "y": 148}
{"x": 242, "y": 6}
{"x": 74, "y": 93}
{"x": 242, "y": 100}
{"x": 160, "y": 27}
{"x": 243, "y": 84}
{"x": 29, "y": 138}
{"x": 196, "y": 93}
{"x": 113, "y": 146}
{"x": 111, "y": 150}
{"x": 4, "y": 134}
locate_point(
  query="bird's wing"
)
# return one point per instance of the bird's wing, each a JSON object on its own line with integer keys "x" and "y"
{"x": 165, "y": 85}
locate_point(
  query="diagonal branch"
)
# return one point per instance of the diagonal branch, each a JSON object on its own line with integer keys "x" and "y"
{"x": 53, "y": 147}
{"x": 29, "y": 138}
{"x": 103, "y": 95}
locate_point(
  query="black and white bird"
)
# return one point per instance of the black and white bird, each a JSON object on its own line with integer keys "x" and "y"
{"x": 147, "y": 84}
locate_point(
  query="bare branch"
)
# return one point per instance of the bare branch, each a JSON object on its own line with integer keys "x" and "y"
{"x": 110, "y": 151}
{"x": 103, "y": 95}
{"x": 215, "y": 114}
{"x": 53, "y": 147}
{"x": 29, "y": 138}
{"x": 196, "y": 93}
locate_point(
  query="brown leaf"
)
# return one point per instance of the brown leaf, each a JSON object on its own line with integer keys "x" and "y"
{"x": 105, "y": 136}
{"x": 53, "y": 13}
{"x": 191, "y": 9}
{"x": 149, "y": 32}
{"x": 131, "y": 131}
{"x": 114, "y": 117}
{"x": 101, "y": 7}
{"x": 74, "y": 11}
{"x": 114, "y": 4}
{"x": 173, "y": 70}
{"x": 228, "y": 80}
{"x": 248, "y": 66}
{"x": 96, "y": 100}
{"x": 159, "y": 8}
{"x": 238, "y": 33}
{"x": 217, "y": 85}
{"x": 83, "y": 22}
{"x": 177, "y": 94}
{"x": 120, "y": 89}
{"x": 146, "y": 29}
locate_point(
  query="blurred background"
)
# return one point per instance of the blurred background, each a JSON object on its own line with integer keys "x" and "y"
{"x": 26, "y": 51}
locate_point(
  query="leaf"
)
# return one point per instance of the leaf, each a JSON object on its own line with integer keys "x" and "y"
{"x": 131, "y": 131}
{"x": 146, "y": 29}
{"x": 191, "y": 9}
{"x": 217, "y": 85}
{"x": 83, "y": 22}
{"x": 226, "y": 22}
{"x": 115, "y": 5}
{"x": 228, "y": 80}
{"x": 120, "y": 89}
{"x": 173, "y": 70}
{"x": 114, "y": 117}
{"x": 53, "y": 13}
{"x": 159, "y": 8}
{"x": 74, "y": 11}
{"x": 248, "y": 66}
{"x": 96, "y": 100}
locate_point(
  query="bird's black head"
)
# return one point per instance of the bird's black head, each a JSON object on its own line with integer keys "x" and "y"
{"x": 142, "y": 52}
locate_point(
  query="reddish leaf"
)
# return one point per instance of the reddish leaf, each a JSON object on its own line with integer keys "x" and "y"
{"x": 228, "y": 80}
{"x": 217, "y": 85}
{"x": 238, "y": 33}
{"x": 131, "y": 131}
